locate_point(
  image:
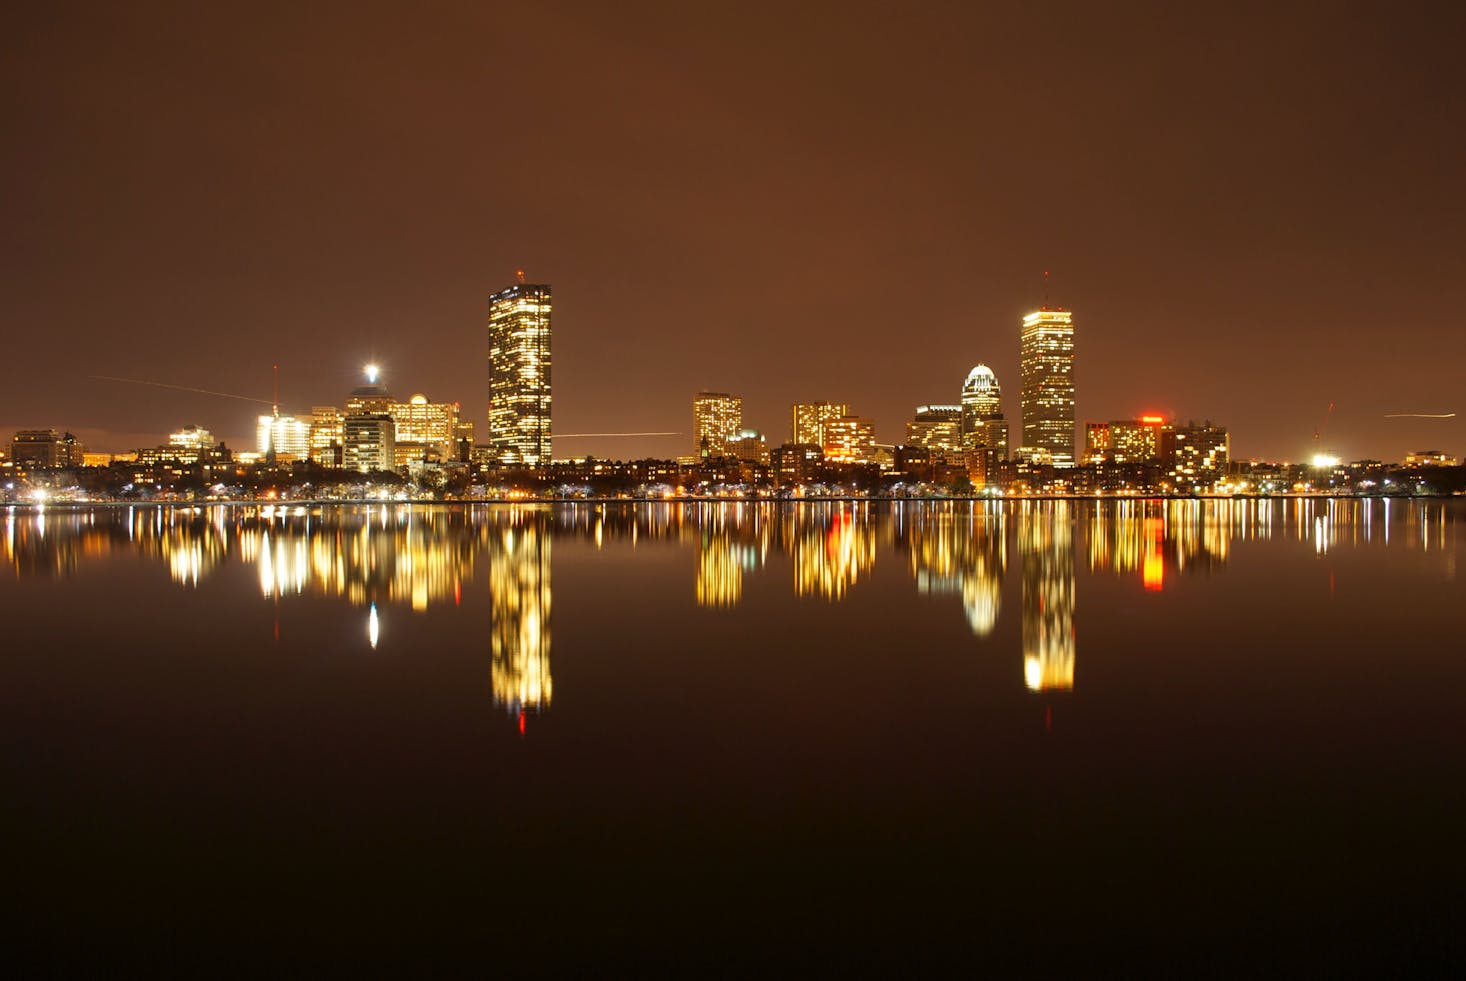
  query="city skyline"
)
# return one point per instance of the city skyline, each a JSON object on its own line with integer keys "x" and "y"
{"x": 202, "y": 248}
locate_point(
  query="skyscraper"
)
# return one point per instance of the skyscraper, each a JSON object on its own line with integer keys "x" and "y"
{"x": 717, "y": 418}
{"x": 1046, "y": 354}
{"x": 983, "y": 426}
{"x": 519, "y": 374}
{"x": 811, "y": 418}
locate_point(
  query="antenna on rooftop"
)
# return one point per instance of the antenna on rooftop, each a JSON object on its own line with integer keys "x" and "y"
{"x": 276, "y": 406}
{"x": 1046, "y": 289}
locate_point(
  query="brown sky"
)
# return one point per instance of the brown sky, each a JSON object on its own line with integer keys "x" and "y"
{"x": 1252, "y": 212}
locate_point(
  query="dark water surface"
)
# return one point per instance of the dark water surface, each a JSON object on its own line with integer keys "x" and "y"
{"x": 1192, "y": 737}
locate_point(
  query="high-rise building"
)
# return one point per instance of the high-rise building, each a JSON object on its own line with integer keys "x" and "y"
{"x": 1196, "y": 456}
{"x": 45, "y": 448}
{"x": 717, "y": 418}
{"x": 424, "y": 430}
{"x": 519, "y": 374}
{"x": 850, "y": 439}
{"x": 811, "y": 418}
{"x": 984, "y": 430}
{"x": 1046, "y": 355}
{"x": 1123, "y": 440}
{"x": 368, "y": 442}
{"x": 937, "y": 428}
{"x": 326, "y": 435}
{"x": 284, "y": 436}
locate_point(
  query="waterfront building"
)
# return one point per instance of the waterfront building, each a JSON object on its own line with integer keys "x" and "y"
{"x": 717, "y": 418}
{"x": 519, "y": 374}
{"x": 1195, "y": 456}
{"x": 850, "y": 439}
{"x": 810, "y": 419}
{"x": 423, "y": 430}
{"x": 1429, "y": 458}
{"x": 1046, "y": 355}
{"x": 45, "y": 448}
{"x": 326, "y": 435}
{"x": 937, "y": 428}
{"x": 287, "y": 437}
{"x": 1123, "y": 440}
{"x": 368, "y": 442}
{"x": 749, "y": 445}
{"x": 794, "y": 463}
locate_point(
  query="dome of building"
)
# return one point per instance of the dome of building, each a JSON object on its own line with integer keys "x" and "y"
{"x": 980, "y": 380}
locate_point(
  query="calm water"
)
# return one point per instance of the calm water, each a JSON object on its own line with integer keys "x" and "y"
{"x": 1185, "y": 736}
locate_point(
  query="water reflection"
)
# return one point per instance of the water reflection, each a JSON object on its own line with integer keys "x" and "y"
{"x": 1046, "y": 546}
{"x": 957, "y": 553}
{"x": 519, "y": 590}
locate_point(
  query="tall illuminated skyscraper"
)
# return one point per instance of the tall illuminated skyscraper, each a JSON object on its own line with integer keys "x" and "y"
{"x": 983, "y": 425}
{"x": 1046, "y": 354}
{"x": 717, "y": 418}
{"x": 519, "y": 374}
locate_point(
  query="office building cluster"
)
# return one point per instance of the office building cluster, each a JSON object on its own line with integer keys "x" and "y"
{"x": 961, "y": 442}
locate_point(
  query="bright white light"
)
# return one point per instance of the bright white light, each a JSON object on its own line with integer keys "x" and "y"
{"x": 372, "y": 371}
{"x": 374, "y": 627}
{"x": 1324, "y": 460}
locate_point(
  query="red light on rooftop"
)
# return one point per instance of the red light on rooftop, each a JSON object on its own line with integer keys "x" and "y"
{"x": 1153, "y": 420}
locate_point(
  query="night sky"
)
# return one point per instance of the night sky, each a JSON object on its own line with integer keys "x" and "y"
{"x": 1252, "y": 214}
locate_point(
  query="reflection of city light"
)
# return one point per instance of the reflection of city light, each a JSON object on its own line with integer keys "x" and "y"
{"x": 1153, "y": 572}
{"x": 519, "y": 586}
{"x": 1046, "y": 546}
{"x": 374, "y": 627}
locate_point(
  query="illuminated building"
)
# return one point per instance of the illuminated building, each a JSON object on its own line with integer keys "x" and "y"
{"x": 519, "y": 374}
{"x": 794, "y": 463}
{"x": 45, "y": 448}
{"x": 1046, "y": 546}
{"x": 1195, "y": 456}
{"x": 749, "y": 445}
{"x": 850, "y": 439}
{"x": 1046, "y": 355}
{"x": 1123, "y": 440}
{"x": 423, "y": 430}
{"x": 286, "y": 437}
{"x": 716, "y": 419}
{"x": 1429, "y": 458}
{"x": 519, "y": 590}
{"x": 810, "y": 420}
{"x": 368, "y": 442}
{"x": 937, "y": 428}
{"x": 326, "y": 435}
{"x": 191, "y": 442}
{"x": 984, "y": 430}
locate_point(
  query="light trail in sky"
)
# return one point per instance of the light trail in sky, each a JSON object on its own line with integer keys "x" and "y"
{"x": 181, "y": 388}
{"x": 582, "y": 435}
{"x": 1420, "y": 415}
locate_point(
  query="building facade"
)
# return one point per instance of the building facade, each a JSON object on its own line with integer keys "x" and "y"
{"x": 717, "y": 419}
{"x": 284, "y": 436}
{"x": 810, "y": 419}
{"x": 937, "y": 428}
{"x": 1046, "y": 356}
{"x": 45, "y": 448}
{"x": 368, "y": 442}
{"x": 519, "y": 374}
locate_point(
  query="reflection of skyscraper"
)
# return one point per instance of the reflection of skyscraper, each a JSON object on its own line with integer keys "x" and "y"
{"x": 519, "y": 586}
{"x": 1046, "y": 544}
{"x": 960, "y": 551}
{"x": 719, "y": 570}
{"x": 519, "y": 374}
{"x": 1046, "y": 354}
{"x": 829, "y": 560}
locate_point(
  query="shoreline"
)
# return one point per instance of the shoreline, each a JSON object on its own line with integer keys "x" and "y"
{"x": 688, "y": 499}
